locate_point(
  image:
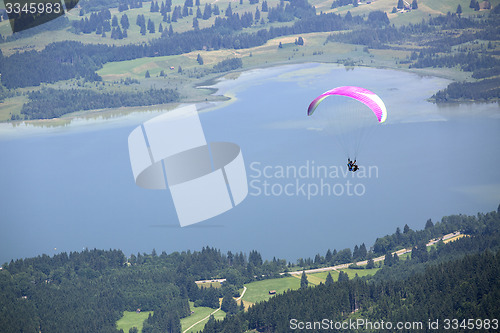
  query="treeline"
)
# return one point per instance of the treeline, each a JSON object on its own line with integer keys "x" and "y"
{"x": 340, "y": 3}
{"x": 467, "y": 224}
{"x": 227, "y": 65}
{"x": 97, "y": 5}
{"x": 484, "y": 90}
{"x": 441, "y": 42}
{"x": 102, "y": 22}
{"x": 469, "y": 62}
{"x": 406, "y": 238}
{"x": 56, "y": 62}
{"x": 373, "y": 38}
{"x": 485, "y": 238}
{"x": 459, "y": 281}
{"x": 52, "y": 103}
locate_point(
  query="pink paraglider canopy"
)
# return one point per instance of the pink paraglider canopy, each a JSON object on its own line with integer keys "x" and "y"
{"x": 363, "y": 95}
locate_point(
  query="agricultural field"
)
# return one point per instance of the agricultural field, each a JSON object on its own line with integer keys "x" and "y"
{"x": 259, "y": 291}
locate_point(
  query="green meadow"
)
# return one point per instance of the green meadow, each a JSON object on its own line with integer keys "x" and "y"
{"x": 132, "y": 319}
{"x": 198, "y": 314}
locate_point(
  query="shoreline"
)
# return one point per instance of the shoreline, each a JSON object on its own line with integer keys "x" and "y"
{"x": 220, "y": 99}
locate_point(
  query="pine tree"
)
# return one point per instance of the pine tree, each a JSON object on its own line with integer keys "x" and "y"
{"x": 401, "y": 4}
{"x": 362, "y": 251}
{"x": 329, "y": 280}
{"x": 196, "y": 25}
{"x": 207, "y": 11}
{"x": 228, "y": 304}
{"x": 114, "y": 22}
{"x": 303, "y": 280}
{"x": 414, "y": 4}
{"x": 147, "y": 76}
{"x": 388, "y": 259}
{"x": 343, "y": 276}
{"x": 199, "y": 59}
{"x": 124, "y": 21}
{"x": 328, "y": 256}
{"x": 264, "y": 6}
{"x": 151, "y": 26}
{"x": 459, "y": 10}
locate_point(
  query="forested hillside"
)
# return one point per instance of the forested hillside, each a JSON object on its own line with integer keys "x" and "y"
{"x": 456, "y": 281}
{"x": 88, "y": 291}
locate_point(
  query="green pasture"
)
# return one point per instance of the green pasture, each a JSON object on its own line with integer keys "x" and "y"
{"x": 132, "y": 319}
{"x": 259, "y": 291}
{"x": 11, "y": 106}
{"x": 198, "y": 314}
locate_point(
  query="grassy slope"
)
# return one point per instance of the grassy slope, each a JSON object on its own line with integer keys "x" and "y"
{"x": 132, "y": 319}
{"x": 259, "y": 291}
{"x": 199, "y": 313}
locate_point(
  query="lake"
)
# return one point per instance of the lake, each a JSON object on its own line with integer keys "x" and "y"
{"x": 71, "y": 187}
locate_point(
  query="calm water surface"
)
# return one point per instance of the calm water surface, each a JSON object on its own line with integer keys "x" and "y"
{"x": 68, "y": 188}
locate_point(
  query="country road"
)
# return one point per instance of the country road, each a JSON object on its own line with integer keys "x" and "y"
{"x": 361, "y": 263}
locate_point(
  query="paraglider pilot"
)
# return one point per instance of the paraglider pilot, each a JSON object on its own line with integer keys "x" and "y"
{"x": 352, "y": 165}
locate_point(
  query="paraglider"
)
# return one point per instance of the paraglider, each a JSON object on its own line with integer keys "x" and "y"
{"x": 361, "y": 96}
{"x": 352, "y": 165}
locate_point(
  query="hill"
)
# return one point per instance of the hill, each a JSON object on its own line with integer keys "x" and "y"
{"x": 89, "y": 291}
